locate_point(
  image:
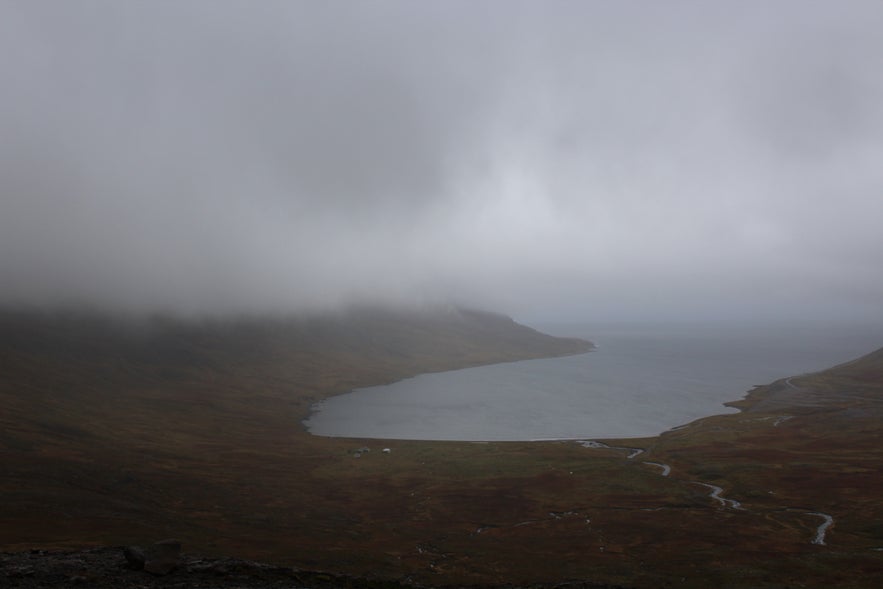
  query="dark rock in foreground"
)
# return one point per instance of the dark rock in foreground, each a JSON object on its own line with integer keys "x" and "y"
{"x": 159, "y": 559}
{"x": 113, "y": 568}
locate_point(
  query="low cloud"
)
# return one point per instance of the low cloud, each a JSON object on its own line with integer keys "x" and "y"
{"x": 565, "y": 160}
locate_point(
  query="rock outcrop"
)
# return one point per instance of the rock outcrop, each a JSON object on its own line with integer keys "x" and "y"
{"x": 160, "y": 558}
{"x": 106, "y": 568}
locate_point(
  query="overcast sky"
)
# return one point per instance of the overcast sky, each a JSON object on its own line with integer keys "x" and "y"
{"x": 592, "y": 160}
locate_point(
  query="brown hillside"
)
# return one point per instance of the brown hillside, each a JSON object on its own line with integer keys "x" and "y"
{"x": 117, "y": 434}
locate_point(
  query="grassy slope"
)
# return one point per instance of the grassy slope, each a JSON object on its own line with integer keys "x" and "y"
{"x": 802, "y": 445}
{"x": 115, "y": 432}
{"x": 169, "y": 430}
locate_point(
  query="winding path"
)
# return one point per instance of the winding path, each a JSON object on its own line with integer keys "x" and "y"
{"x": 595, "y": 444}
{"x": 716, "y": 495}
{"x": 823, "y": 528}
{"x": 666, "y": 469}
{"x": 716, "y": 492}
{"x": 791, "y": 384}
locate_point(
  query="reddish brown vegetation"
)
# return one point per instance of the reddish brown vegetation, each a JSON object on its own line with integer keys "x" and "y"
{"x": 197, "y": 438}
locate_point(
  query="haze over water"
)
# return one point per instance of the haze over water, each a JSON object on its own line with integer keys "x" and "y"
{"x": 641, "y": 381}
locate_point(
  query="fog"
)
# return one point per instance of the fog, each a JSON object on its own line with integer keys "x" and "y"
{"x": 550, "y": 160}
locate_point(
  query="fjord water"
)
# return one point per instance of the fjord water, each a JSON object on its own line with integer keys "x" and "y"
{"x": 640, "y": 381}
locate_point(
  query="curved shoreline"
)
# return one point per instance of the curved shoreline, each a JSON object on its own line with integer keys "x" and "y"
{"x": 748, "y": 401}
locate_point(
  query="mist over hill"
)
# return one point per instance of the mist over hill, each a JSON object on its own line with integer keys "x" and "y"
{"x": 563, "y": 160}
{"x": 214, "y": 214}
{"x": 431, "y": 334}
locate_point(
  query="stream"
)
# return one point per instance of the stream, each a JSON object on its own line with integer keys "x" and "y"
{"x": 716, "y": 495}
{"x": 823, "y": 528}
{"x": 716, "y": 492}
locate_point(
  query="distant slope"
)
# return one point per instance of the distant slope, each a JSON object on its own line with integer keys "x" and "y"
{"x": 430, "y": 339}
{"x": 110, "y": 428}
{"x": 63, "y": 354}
{"x": 854, "y": 383}
{"x": 867, "y": 369}
{"x": 802, "y": 462}
{"x": 90, "y": 374}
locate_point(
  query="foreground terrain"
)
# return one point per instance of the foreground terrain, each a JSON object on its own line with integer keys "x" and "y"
{"x": 127, "y": 434}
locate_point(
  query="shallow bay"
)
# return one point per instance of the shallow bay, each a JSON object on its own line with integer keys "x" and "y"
{"x": 640, "y": 381}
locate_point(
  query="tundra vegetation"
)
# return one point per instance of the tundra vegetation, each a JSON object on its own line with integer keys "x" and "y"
{"x": 126, "y": 432}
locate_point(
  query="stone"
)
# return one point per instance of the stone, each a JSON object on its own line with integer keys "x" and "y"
{"x": 160, "y": 558}
{"x": 166, "y": 549}
{"x": 160, "y": 567}
{"x": 134, "y": 557}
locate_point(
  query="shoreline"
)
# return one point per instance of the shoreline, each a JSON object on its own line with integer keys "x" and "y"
{"x": 311, "y": 411}
{"x": 740, "y": 406}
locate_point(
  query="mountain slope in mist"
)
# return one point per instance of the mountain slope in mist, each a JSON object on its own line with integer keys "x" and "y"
{"x": 113, "y": 430}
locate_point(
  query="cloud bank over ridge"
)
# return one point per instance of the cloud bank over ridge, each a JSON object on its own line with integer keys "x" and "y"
{"x": 553, "y": 159}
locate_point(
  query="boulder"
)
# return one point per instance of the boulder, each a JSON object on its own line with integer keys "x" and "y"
{"x": 134, "y": 557}
{"x": 160, "y": 558}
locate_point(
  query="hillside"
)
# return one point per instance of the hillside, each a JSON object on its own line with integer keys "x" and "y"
{"x": 114, "y": 430}
{"x": 115, "y": 435}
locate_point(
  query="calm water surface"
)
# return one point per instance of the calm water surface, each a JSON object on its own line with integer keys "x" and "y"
{"x": 639, "y": 382}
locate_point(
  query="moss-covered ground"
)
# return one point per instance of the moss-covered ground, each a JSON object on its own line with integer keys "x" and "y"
{"x": 109, "y": 439}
